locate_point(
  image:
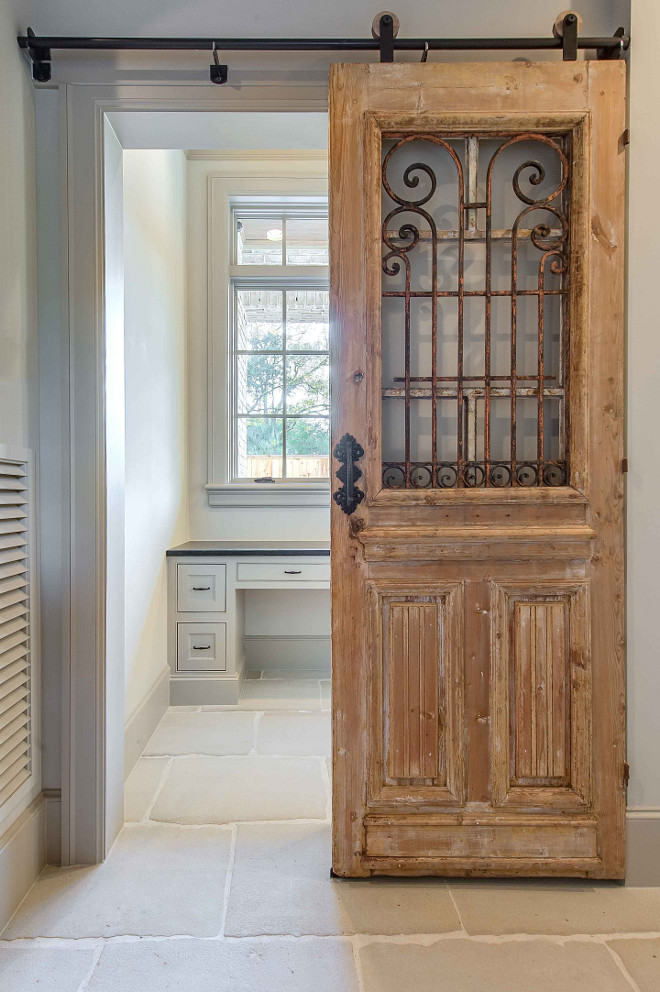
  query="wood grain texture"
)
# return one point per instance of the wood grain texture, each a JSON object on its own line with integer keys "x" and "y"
{"x": 542, "y": 695}
{"x": 539, "y": 661}
{"x": 415, "y": 724}
{"x": 412, "y": 650}
{"x": 525, "y": 584}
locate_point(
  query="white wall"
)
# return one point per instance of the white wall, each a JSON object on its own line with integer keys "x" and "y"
{"x": 643, "y": 539}
{"x": 18, "y": 237}
{"x": 155, "y": 358}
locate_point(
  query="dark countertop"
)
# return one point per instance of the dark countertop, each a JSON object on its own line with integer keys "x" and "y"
{"x": 242, "y": 549}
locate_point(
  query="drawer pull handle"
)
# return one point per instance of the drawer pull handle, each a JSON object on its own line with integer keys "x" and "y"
{"x": 293, "y": 571}
{"x": 201, "y": 588}
{"x": 201, "y": 647}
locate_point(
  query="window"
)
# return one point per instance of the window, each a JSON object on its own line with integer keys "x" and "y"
{"x": 279, "y": 362}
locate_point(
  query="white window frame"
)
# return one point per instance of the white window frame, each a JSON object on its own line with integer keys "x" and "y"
{"x": 282, "y": 278}
{"x": 226, "y": 194}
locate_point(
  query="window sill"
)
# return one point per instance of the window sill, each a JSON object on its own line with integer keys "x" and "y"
{"x": 246, "y": 495}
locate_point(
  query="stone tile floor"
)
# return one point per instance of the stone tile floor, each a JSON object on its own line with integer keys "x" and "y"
{"x": 220, "y": 883}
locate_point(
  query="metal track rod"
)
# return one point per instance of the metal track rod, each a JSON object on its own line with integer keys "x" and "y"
{"x": 613, "y": 44}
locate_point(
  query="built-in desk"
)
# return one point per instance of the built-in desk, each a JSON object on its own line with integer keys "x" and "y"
{"x": 207, "y": 581}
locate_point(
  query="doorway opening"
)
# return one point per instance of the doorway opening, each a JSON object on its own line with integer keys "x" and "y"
{"x": 218, "y": 462}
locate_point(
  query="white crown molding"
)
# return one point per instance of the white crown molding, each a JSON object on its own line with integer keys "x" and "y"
{"x": 256, "y": 155}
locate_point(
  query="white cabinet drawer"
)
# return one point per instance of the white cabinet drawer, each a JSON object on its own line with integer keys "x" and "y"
{"x": 201, "y": 647}
{"x": 201, "y": 588}
{"x": 283, "y": 572}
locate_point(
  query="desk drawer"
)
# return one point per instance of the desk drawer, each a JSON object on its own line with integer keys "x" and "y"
{"x": 283, "y": 572}
{"x": 201, "y": 588}
{"x": 201, "y": 647}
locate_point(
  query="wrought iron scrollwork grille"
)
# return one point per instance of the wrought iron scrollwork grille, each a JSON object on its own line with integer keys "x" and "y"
{"x": 473, "y": 380}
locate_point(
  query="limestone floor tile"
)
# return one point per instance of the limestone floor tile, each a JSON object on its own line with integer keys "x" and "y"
{"x": 244, "y": 787}
{"x": 555, "y": 907}
{"x": 294, "y": 673}
{"x": 280, "y": 694}
{"x": 140, "y": 787}
{"x": 642, "y": 959}
{"x": 325, "y": 694}
{"x": 41, "y": 969}
{"x": 156, "y": 881}
{"x": 226, "y": 966}
{"x": 471, "y": 966}
{"x": 203, "y": 733}
{"x": 281, "y": 885}
{"x": 294, "y": 733}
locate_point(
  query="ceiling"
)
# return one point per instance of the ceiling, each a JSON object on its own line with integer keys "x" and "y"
{"x": 221, "y": 131}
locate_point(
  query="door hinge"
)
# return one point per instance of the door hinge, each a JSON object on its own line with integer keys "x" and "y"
{"x": 624, "y": 465}
{"x": 625, "y": 137}
{"x": 626, "y": 774}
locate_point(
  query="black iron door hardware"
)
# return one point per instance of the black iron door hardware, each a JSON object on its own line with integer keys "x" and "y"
{"x": 385, "y": 41}
{"x": 348, "y": 451}
{"x": 293, "y": 571}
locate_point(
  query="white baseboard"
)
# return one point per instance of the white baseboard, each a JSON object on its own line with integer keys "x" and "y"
{"x": 202, "y": 690}
{"x": 643, "y": 847}
{"x": 265, "y": 651}
{"x": 53, "y": 798}
{"x": 141, "y": 725}
{"x": 22, "y": 856}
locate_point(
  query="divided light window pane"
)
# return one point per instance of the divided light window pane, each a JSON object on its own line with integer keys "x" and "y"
{"x": 281, "y": 384}
{"x": 259, "y": 240}
{"x": 292, "y": 238}
{"x": 307, "y": 320}
{"x": 307, "y": 240}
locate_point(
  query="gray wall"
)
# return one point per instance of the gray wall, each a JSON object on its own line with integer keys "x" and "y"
{"x": 294, "y": 18}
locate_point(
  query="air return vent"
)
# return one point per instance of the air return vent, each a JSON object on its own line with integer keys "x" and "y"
{"x": 15, "y": 654}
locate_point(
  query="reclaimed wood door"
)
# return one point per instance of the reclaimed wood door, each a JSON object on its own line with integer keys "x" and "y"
{"x": 477, "y": 218}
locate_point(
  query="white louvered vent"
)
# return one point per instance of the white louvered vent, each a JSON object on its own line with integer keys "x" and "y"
{"x": 15, "y": 657}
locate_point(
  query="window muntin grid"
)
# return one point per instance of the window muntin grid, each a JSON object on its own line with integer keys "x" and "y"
{"x": 281, "y": 411}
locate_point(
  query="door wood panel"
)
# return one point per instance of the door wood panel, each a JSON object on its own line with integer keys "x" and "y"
{"x": 412, "y": 649}
{"x": 416, "y": 694}
{"x": 477, "y": 588}
{"x": 542, "y": 696}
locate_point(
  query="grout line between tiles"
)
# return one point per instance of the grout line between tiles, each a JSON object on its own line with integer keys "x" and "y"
{"x": 357, "y": 963}
{"x": 159, "y": 788}
{"x": 258, "y": 716}
{"x": 240, "y": 754}
{"x": 359, "y": 940}
{"x": 455, "y": 905}
{"x": 84, "y": 985}
{"x": 227, "y": 823}
{"x": 622, "y": 968}
{"x": 229, "y": 876}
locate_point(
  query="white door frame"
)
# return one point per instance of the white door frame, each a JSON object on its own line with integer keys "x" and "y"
{"x": 92, "y": 794}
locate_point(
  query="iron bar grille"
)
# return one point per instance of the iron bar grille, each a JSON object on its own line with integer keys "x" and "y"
{"x": 476, "y": 268}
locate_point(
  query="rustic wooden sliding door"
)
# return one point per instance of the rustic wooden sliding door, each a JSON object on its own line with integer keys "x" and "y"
{"x": 477, "y": 215}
